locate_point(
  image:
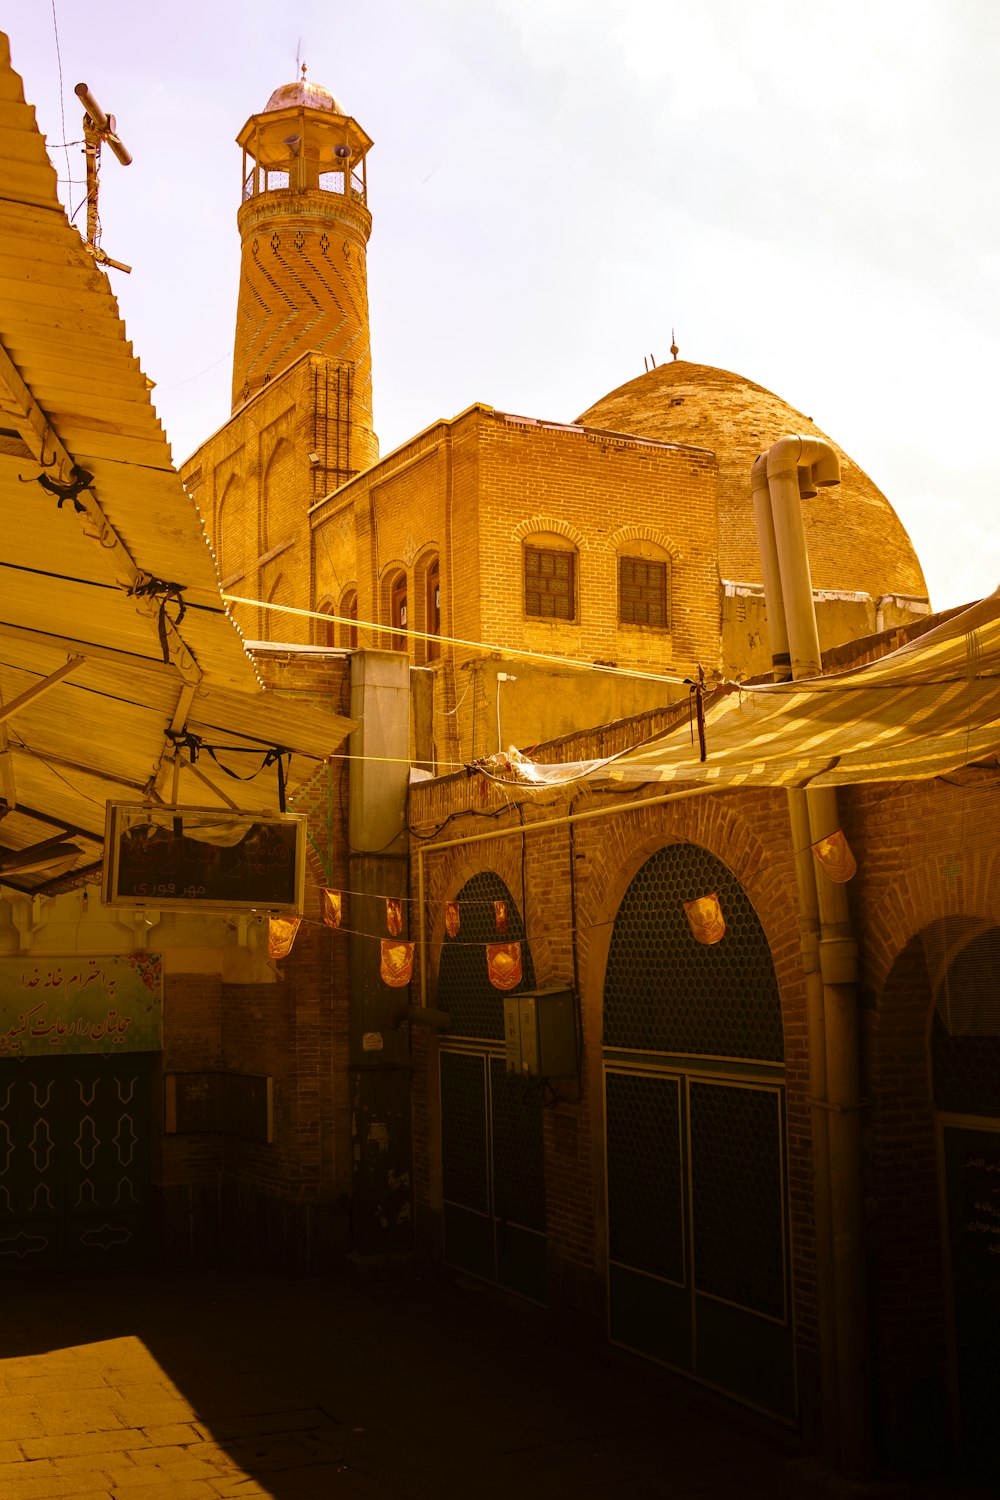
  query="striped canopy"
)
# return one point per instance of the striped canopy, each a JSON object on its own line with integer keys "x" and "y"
{"x": 925, "y": 709}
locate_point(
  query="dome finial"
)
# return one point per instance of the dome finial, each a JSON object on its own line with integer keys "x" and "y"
{"x": 673, "y": 344}
{"x": 303, "y": 72}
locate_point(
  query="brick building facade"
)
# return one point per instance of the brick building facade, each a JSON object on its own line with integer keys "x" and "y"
{"x": 602, "y": 562}
{"x": 493, "y": 547}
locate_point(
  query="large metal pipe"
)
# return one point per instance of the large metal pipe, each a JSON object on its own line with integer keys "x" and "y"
{"x": 781, "y": 662}
{"x": 809, "y": 923}
{"x": 796, "y": 466}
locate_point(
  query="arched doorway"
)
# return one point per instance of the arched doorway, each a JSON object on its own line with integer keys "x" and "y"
{"x": 492, "y": 1166}
{"x": 963, "y": 963}
{"x": 698, "y": 1240}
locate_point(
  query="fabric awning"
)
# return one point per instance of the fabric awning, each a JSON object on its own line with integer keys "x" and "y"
{"x": 923, "y": 710}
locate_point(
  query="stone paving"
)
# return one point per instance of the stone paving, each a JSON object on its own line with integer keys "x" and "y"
{"x": 160, "y": 1386}
{"x": 166, "y": 1386}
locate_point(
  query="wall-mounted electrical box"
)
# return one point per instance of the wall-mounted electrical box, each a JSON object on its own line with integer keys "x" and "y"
{"x": 540, "y": 1034}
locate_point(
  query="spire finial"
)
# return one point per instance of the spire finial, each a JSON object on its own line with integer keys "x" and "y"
{"x": 303, "y": 72}
{"x": 673, "y": 344}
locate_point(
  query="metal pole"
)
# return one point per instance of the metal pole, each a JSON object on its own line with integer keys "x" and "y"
{"x": 796, "y": 465}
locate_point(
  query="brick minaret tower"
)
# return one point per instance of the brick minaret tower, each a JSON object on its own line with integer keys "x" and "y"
{"x": 304, "y": 224}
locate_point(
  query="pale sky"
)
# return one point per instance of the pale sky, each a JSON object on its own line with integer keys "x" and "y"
{"x": 805, "y": 190}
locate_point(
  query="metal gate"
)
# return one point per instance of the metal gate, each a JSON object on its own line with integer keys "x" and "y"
{"x": 698, "y": 1243}
{"x": 75, "y": 1161}
{"x": 492, "y": 1162}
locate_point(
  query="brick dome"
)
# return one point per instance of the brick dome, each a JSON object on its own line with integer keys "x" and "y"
{"x": 856, "y": 540}
{"x": 311, "y": 95}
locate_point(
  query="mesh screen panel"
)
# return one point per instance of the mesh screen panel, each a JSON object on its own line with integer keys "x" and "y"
{"x": 463, "y": 1131}
{"x": 736, "y": 1195}
{"x": 518, "y": 1161}
{"x": 464, "y": 989}
{"x": 645, "y": 1192}
{"x": 965, "y": 1033}
{"x": 963, "y": 961}
{"x": 973, "y": 1171}
{"x": 666, "y": 992}
{"x": 948, "y": 830}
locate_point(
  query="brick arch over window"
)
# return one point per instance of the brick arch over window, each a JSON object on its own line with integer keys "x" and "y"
{"x": 230, "y": 531}
{"x": 664, "y": 992}
{"x": 324, "y": 631}
{"x": 611, "y": 851}
{"x": 553, "y": 525}
{"x": 347, "y": 635}
{"x": 278, "y": 499}
{"x": 464, "y": 989}
{"x": 620, "y": 539}
{"x": 394, "y": 607}
{"x": 449, "y": 872}
{"x": 426, "y": 611}
{"x": 913, "y": 1068}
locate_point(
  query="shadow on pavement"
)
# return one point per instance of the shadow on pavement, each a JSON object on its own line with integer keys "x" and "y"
{"x": 232, "y": 1383}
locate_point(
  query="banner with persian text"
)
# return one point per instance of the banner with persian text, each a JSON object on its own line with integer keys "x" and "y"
{"x": 53, "y": 1007}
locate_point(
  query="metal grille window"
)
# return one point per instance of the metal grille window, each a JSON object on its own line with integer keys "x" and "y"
{"x": 464, "y": 989}
{"x": 965, "y": 1036}
{"x": 645, "y": 1182}
{"x": 643, "y": 596}
{"x": 664, "y": 992}
{"x": 736, "y": 1195}
{"x": 550, "y": 583}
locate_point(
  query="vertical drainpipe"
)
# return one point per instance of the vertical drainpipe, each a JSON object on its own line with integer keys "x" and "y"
{"x": 809, "y": 938}
{"x": 795, "y": 466}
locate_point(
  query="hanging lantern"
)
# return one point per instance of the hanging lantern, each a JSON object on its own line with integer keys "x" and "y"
{"x": 835, "y": 858}
{"x": 281, "y": 935}
{"x": 500, "y": 911}
{"x": 393, "y": 915}
{"x": 333, "y": 907}
{"x": 396, "y": 967}
{"x": 705, "y": 916}
{"x": 452, "y": 920}
{"x": 503, "y": 964}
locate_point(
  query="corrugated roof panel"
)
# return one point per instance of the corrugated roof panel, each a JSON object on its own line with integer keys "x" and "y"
{"x": 63, "y": 583}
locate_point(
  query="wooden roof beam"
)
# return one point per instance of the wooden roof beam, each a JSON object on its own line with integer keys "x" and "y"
{"x": 21, "y": 408}
{"x": 7, "y": 781}
{"x": 8, "y": 710}
{"x": 88, "y": 649}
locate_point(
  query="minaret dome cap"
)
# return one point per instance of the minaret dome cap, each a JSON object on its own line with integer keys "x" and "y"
{"x": 304, "y": 92}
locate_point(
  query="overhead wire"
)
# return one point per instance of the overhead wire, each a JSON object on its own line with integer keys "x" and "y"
{"x": 62, "y": 107}
{"x": 486, "y": 647}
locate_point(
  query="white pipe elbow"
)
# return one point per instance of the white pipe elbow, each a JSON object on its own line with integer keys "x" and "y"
{"x": 758, "y": 474}
{"x": 790, "y": 454}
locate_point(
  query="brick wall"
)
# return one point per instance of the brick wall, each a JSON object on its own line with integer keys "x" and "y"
{"x": 750, "y": 834}
{"x": 283, "y": 1203}
{"x": 927, "y": 855}
{"x": 254, "y": 484}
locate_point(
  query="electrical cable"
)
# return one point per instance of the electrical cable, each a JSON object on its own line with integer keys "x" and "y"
{"x": 450, "y": 640}
{"x": 62, "y": 106}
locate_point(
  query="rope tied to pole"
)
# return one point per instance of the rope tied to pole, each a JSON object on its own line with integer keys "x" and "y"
{"x": 148, "y": 587}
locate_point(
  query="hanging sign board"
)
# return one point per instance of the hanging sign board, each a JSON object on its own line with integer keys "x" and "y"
{"x": 203, "y": 859}
{"x": 55, "y": 1007}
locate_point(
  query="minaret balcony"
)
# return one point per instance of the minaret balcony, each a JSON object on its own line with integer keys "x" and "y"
{"x": 263, "y": 181}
